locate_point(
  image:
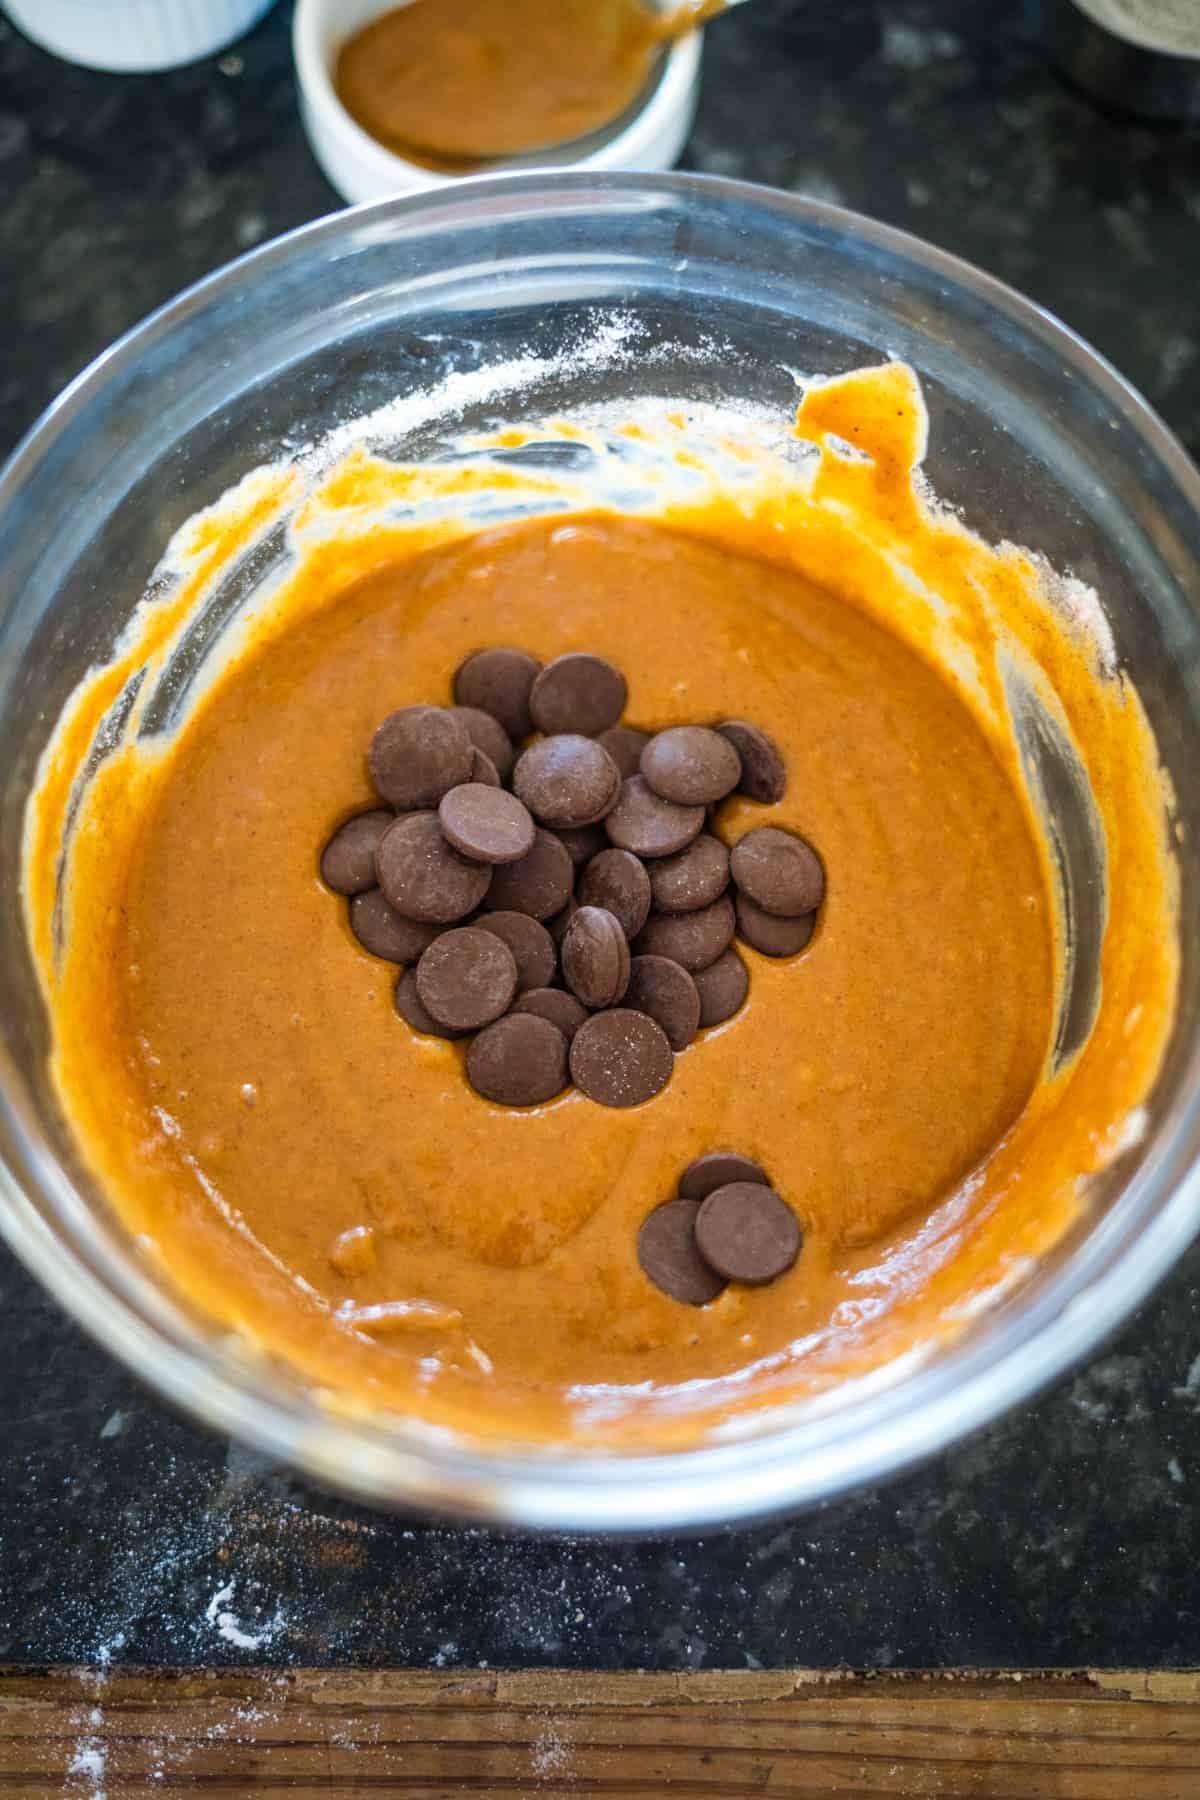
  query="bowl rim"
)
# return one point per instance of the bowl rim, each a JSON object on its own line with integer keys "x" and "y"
{"x": 686, "y": 1490}
{"x": 668, "y": 95}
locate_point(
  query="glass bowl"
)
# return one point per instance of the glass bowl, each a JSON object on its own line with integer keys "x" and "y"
{"x": 1032, "y": 435}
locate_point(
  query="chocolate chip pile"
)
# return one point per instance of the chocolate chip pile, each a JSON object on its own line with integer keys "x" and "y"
{"x": 566, "y": 905}
{"x": 726, "y": 1224}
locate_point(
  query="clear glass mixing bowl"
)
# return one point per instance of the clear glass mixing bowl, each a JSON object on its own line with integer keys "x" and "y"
{"x": 1032, "y": 435}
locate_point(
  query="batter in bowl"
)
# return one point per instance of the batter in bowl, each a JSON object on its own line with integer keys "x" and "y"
{"x": 321, "y": 1178}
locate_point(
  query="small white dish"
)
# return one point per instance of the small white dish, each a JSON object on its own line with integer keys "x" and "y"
{"x": 648, "y": 135}
{"x": 128, "y": 36}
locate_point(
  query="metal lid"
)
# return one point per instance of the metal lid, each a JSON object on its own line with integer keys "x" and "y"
{"x": 1140, "y": 56}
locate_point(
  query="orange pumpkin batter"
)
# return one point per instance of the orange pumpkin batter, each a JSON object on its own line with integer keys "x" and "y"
{"x": 240, "y": 1080}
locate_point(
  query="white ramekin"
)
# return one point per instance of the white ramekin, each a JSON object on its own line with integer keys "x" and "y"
{"x": 129, "y": 35}
{"x": 363, "y": 169}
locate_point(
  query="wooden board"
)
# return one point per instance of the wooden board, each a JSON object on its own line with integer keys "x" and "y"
{"x": 238, "y": 1735}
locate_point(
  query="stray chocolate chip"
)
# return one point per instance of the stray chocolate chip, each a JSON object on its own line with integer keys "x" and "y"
{"x": 691, "y": 765}
{"x": 768, "y": 932}
{"x": 531, "y": 945}
{"x": 383, "y": 931}
{"x": 718, "y": 1169}
{"x": 423, "y": 877}
{"x": 562, "y": 1009}
{"x": 595, "y": 957}
{"x": 665, "y": 991}
{"x": 578, "y": 692}
{"x": 746, "y": 1232}
{"x": 778, "y": 871}
{"x": 669, "y": 1257}
{"x": 625, "y": 745}
{"x": 722, "y": 987}
{"x": 487, "y": 824}
{"x": 582, "y": 842}
{"x": 557, "y": 926}
{"x": 484, "y": 770}
{"x": 499, "y": 681}
{"x": 692, "y": 878}
{"x": 348, "y": 859}
{"x": 649, "y": 826}
{"x": 408, "y": 1005}
{"x": 418, "y": 754}
{"x": 567, "y": 780}
{"x": 488, "y": 735}
{"x": 617, "y": 881}
{"x": 467, "y": 978}
{"x": 540, "y": 884}
{"x": 694, "y": 939}
{"x": 521, "y": 1060}
{"x": 621, "y": 1058}
{"x": 764, "y": 776}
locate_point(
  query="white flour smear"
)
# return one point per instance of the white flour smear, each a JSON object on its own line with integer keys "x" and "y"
{"x": 231, "y": 1628}
{"x": 88, "y": 1765}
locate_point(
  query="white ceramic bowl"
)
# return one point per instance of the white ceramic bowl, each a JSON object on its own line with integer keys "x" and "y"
{"x": 135, "y": 35}
{"x": 649, "y": 135}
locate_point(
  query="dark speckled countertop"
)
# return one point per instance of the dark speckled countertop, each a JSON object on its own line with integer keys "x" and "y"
{"x": 1065, "y": 1535}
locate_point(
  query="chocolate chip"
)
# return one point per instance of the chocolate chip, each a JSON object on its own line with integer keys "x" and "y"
{"x": 488, "y": 735}
{"x": 778, "y": 871}
{"x": 582, "y": 842}
{"x": 643, "y": 822}
{"x": 722, "y": 987}
{"x": 348, "y": 859}
{"x": 487, "y": 824}
{"x": 531, "y": 945}
{"x": 669, "y": 1257}
{"x": 691, "y": 878}
{"x": 521, "y": 1060}
{"x": 715, "y": 1170}
{"x": 625, "y": 744}
{"x": 764, "y": 776}
{"x": 665, "y": 991}
{"x": 767, "y": 932}
{"x": 694, "y": 939}
{"x": 620, "y": 1058}
{"x": 595, "y": 957}
{"x": 499, "y": 681}
{"x": 467, "y": 978}
{"x": 408, "y": 1005}
{"x": 562, "y": 1009}
{"x": 383, "y": 931}
{"x": 617, "y": 881}
{"x": 691, "y": 765}
{"x": 540, "y": 884}
{"x": 418, "y": 754}
{"x": 567, "y": 780}
{"x": 484, "y": 770}
{"x": 746, "y": 1232}
{"x": 423, "y": 877}
{"x": 578, "y": 692}
{"x": 557, "y": 926}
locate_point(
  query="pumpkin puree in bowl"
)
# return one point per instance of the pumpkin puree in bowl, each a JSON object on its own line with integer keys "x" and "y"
{"x": 245, "y": 1094}
{"x": 484, "y": 78}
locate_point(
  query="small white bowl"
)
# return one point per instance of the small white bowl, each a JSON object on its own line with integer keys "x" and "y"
{"x": 135, "y": 35}
{"x": 650, "y": 135}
